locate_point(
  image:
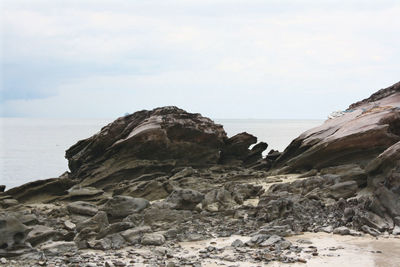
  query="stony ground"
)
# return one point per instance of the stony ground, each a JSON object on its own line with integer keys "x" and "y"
{"x": 218, "y": 217}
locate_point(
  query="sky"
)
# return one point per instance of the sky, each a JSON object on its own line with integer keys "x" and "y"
{"x": 260, "y": 59}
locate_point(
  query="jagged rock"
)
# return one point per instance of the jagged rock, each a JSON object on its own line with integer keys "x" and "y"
{"x": 82, "y": 208}
{"x": 122, "y": 206}
{"x": 12, "y": 232}
{"x": 184, "y": 199}
{"x": 167, "y": 133}
{"x": 237, "y": 148}
{"x": 153, "y": 239}
{"x": 364, "y": 131}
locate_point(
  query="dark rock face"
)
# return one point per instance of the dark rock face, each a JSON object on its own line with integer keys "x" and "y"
{"x": 363, "y": 132}
{"x": 237, "y": 149}
{"x": 167, "y": 133}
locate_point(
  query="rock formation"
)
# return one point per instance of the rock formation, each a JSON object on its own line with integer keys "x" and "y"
{"x": 365, "y": 130}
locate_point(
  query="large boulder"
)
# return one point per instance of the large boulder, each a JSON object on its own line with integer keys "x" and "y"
{"x": 122, "y": 148}
{"x": 358, "y": 135}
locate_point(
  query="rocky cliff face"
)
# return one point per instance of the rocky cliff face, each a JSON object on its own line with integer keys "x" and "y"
{"x": 364, "y": 131}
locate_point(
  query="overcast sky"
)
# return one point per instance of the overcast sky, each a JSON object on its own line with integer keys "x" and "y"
{"x": 222, "y": 58}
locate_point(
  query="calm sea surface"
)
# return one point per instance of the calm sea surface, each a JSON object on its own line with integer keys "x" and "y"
{"x": 32, "y": 149}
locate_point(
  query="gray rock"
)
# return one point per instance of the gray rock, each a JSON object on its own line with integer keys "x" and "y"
{"x": 153, "y": 239}
{"x": 40, "y": 234}
{"x": 343, "y": 190}
{"x": 237, "y": 243}
{"x": 82, "y": 208}
{"x": 369, "y": 230}
{"x": 115, "y": 228}
{"x": 134, "y": 235}
{"x": 343, "y": 230}
{"x": 122, "y": 206}
{"x": 2, "y": 188}
{"x": 96, "y": 223}
{"x": 271, "y": 241}
{"x": 12, "y": 232}
{"x": 58, "y": 248}
{"x": 184, "y": 199}
{"x": 396, "y": 230}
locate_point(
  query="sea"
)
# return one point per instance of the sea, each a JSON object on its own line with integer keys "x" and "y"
{"x": 33, "y": 149}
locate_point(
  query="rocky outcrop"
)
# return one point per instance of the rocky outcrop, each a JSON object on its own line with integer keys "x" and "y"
{"x": 167, "y": 133}
{"x": 363, "y": 132}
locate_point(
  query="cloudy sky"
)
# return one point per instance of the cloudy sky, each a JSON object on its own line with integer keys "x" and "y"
{"x": 222, "y": 58}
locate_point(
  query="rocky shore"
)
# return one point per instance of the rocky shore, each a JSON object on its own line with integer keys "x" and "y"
{"x": 168, "y": 188}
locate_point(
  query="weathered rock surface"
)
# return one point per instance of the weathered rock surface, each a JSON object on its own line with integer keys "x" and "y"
{"x": 167, "y": 133}
{"x": 364, "y": 131}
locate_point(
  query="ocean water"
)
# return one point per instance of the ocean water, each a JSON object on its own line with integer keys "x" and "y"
{"x": 32, "y": 149}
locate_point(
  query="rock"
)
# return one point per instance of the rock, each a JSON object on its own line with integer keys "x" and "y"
{"x": 271, "y": 241}
{"x": 96, "y": 223}
{"x": 389, "y": 200}
{"x": 2, "y": 188}
{"x": 343, "y": 190}
{"x": 167, "y": 133}
{"x": 82, "y": 208}
{"x": 184, "y": 199}
{"x": 78, "y": 192}
{"x": 122, "y": 206}
{"x": 364, "y": 131}
{"x": 153, "y": 239}
{"x": 40, "y": 234}
{"x": 237, "y": 243}
{"x": 12, "y": 232}
{"x": 69, "y": 225}
{"x": 217, "y": 200}
{"x": 327, "y": 229}
{"x": 348, "y": 172}
{"x": 369, "y": 230}
{"x": 156, "y": 215}
{"x": 343, "y": 230}
{"x": 134, "y": 235}
{"x": 237, "y": 148}
{"x": 3, "y": 261}
{"x": 374, "y": 221}
{"x": 58, "y": 248}
{"x": 396, "y": 230}
{"x": 115, "y": 228}
{"x": 47, "y": 190}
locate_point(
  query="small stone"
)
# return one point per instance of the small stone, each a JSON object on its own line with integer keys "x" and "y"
{"x": 301, "y": 260}
{"x": 3, "y": 261}
{"x": 237, "y": 243}
{"x": 69, "y": 225}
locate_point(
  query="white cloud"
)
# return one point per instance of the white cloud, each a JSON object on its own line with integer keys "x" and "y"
{"x": 130, "y": 55}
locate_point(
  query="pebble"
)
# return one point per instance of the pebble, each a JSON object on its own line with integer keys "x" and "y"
{"x": 3, "y": 261}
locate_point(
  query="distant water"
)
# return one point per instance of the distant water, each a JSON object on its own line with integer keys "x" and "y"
{"x": 32, "y": 149}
